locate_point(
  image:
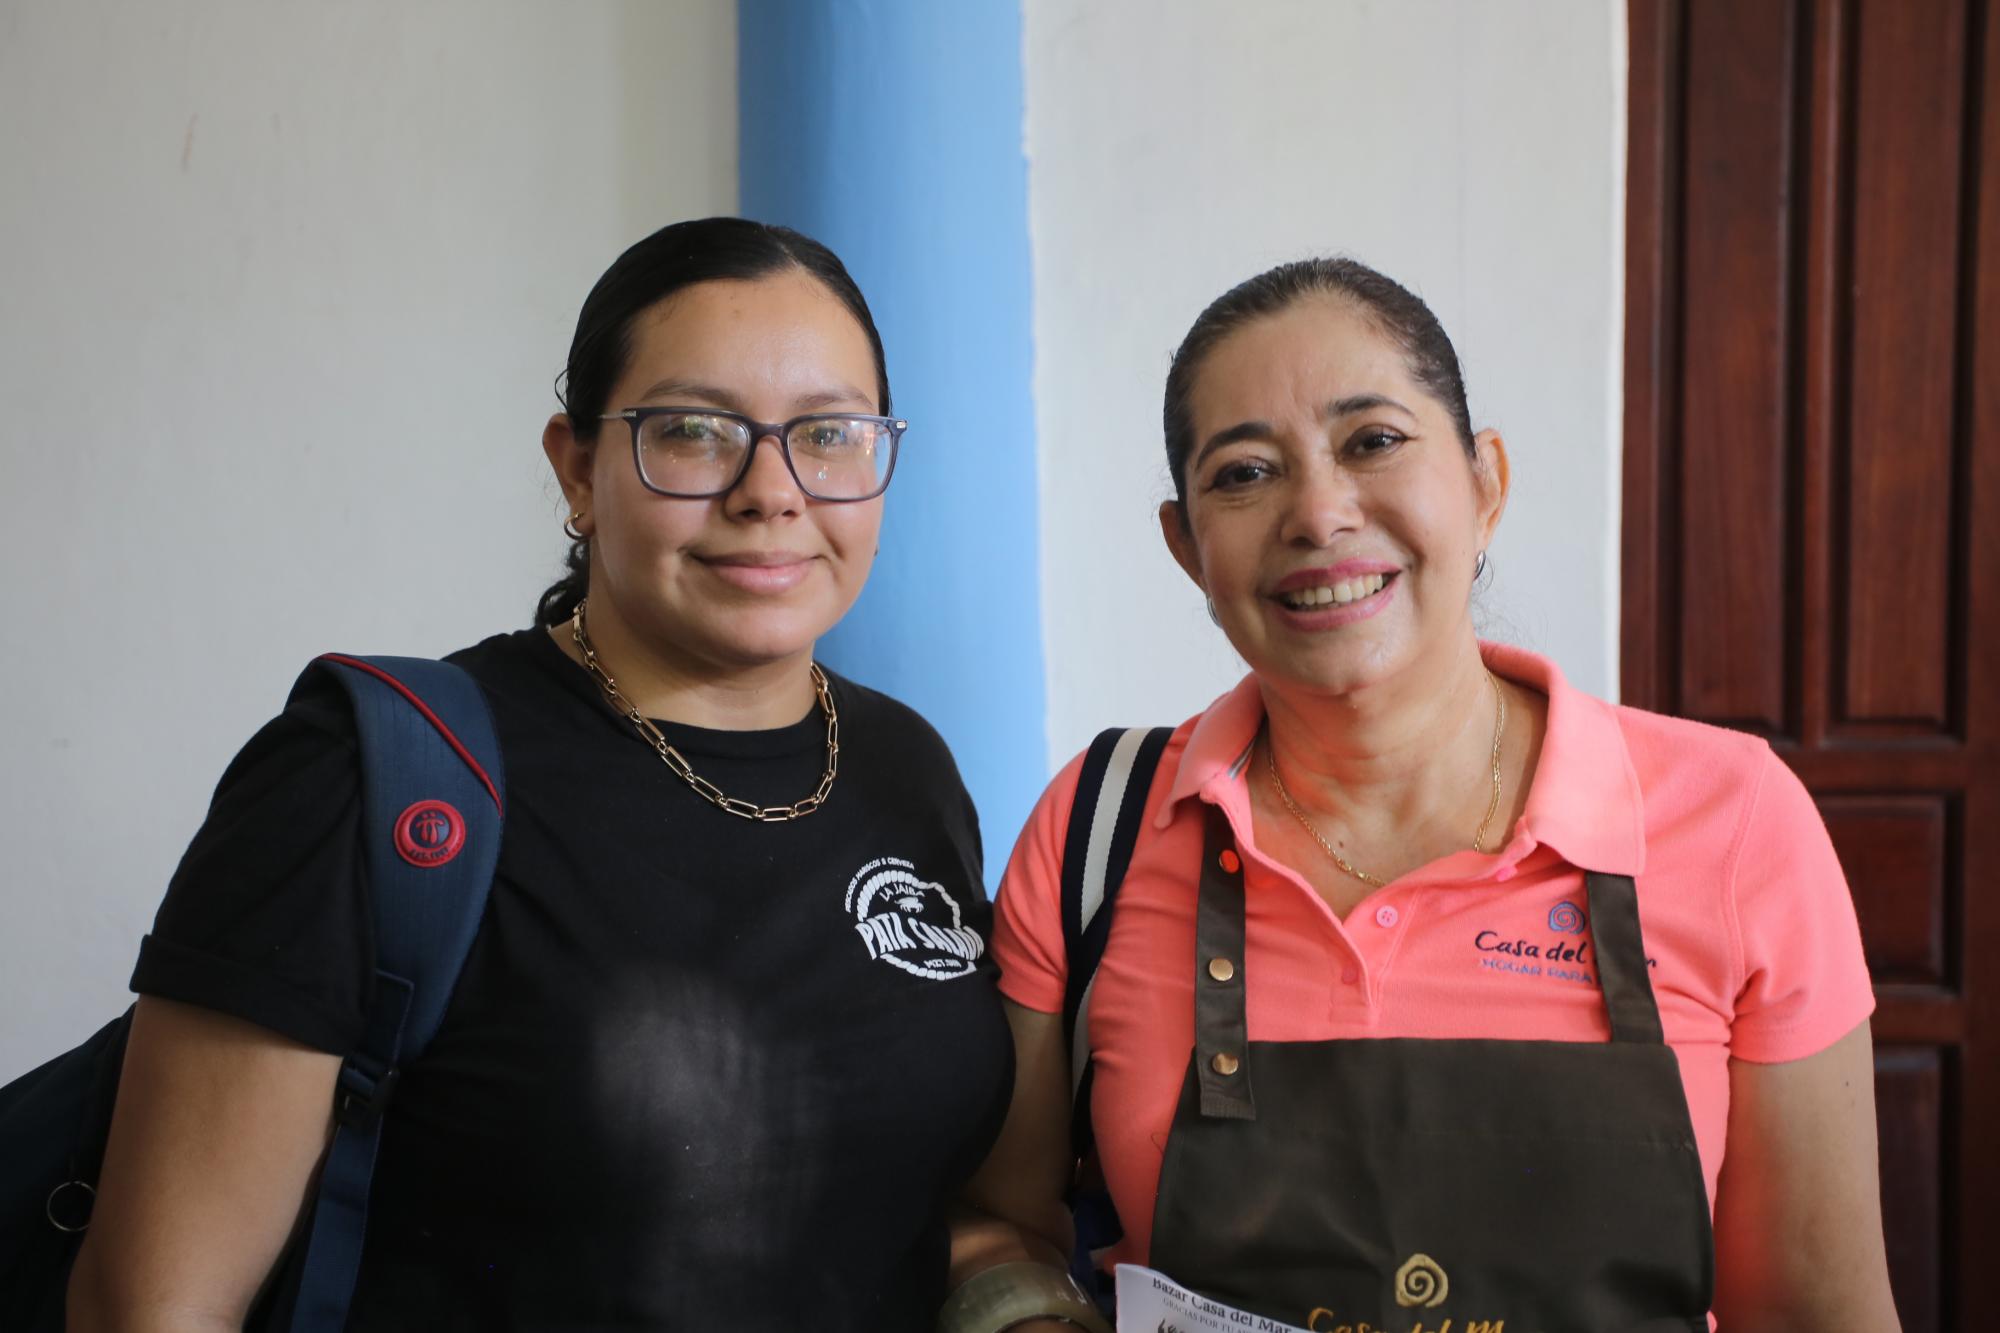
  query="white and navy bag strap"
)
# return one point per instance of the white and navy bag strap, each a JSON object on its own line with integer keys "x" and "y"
{"x": 432, "y": 797}
{"x": 1104, "y": 826}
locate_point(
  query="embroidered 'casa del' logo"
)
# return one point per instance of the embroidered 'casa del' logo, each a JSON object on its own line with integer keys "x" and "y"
{"x": 1565, "y": 953}
{"x": 910, "y": 922}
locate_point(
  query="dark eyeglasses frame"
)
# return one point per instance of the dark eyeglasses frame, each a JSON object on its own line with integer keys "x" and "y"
{"x": 759, "y": 432}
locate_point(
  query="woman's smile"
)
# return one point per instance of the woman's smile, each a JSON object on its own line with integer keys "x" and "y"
{"x": 1327, "y": 598}
{"x": 767, "y": 573}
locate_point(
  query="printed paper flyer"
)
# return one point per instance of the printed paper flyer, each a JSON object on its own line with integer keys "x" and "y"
{"x": 1150, "y": 1302}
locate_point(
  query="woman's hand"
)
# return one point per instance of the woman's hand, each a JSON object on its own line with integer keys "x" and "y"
{"x": 218, "y": 1128}
{"x": 1798, "y": 1209}
{"x": 1013, "y": 1208}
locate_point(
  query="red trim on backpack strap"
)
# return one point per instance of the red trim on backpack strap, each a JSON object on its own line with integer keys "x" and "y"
{"x": 477, "y": 769}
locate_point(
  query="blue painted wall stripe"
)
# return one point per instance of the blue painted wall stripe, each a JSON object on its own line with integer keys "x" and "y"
{"x": 891, "y": 130}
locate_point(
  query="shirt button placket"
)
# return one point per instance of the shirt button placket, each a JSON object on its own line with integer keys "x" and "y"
{"x": 1386, "y": 917}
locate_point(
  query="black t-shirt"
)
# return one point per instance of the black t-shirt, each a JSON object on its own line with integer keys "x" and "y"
{"x": 698, "y": 1072}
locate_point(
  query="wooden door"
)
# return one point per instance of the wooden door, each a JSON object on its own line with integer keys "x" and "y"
{"x": 1812, "y": 510}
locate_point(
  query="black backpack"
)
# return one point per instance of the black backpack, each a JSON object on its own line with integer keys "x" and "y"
{"x": 432, "y": 799}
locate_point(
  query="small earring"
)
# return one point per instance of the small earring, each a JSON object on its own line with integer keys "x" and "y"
{"x": 1479, "y": 566}
{"x": 1211, "y": 612}
{"x": 570, "y": 529}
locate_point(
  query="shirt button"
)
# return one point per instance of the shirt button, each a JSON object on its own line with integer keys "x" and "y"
{"x": 1349, "y": 975}
{"x": 1386, "y": 916}
{"x": 1221, "y": 969}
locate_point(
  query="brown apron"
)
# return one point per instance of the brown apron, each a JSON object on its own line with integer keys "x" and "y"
{"x": 1396, "y": 1183}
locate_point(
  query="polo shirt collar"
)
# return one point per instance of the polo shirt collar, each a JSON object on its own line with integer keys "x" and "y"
{"x": 1585, "y": 800}
{"x": 1584, "y": 803}
{"x": 1218, "y": 750}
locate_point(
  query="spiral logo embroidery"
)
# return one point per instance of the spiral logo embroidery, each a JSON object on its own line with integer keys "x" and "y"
{"x": 1421, "y": 1282}
{"x": 1568, "y": 918}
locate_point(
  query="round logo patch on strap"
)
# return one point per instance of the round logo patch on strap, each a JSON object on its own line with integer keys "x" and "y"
{"x": 430, "y": 833}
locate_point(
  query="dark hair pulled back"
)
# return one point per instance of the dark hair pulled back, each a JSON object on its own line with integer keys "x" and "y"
{"x": 1393, "y": 308}
{"x": 673, "y": 258}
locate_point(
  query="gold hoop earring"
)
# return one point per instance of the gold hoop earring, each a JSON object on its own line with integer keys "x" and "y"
{"x": 570, "y": 529}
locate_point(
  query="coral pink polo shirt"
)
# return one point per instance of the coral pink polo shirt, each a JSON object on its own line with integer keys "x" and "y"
{"x": 1747, "y": 920}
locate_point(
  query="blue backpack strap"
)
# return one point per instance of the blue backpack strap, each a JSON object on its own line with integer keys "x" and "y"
{"x": 1104, "y": 825}
{"x": 432, "y": 797}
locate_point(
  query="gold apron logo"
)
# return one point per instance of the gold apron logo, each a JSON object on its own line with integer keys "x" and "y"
{"x": 1420, "y": 1282}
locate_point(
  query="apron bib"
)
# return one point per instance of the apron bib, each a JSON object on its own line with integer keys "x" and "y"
{"x": 1394, "y": 1184}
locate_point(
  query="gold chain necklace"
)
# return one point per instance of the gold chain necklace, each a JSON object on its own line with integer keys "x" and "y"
{"x": 763, "y": 814}
{"x": 1479, "y": 834}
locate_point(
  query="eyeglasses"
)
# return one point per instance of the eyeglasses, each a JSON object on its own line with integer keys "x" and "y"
{"x": 694, "y": 453}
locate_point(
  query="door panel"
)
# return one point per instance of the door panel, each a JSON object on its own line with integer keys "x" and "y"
{"x": 1895, "y": 852}
{"x": 1732, "y": 659}
{"x": 1909, "y": 1095}
{"x": 1903, "y": 358}
{"x": 1812, "y": 507}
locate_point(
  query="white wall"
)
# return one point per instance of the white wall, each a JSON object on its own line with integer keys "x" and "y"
{"x": 283, "y": 288}
{"x": 1474, "y": 151}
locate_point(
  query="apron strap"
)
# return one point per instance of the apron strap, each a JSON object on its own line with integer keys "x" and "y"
{"x": 1621, "y": 959}
{"x": 1221, "y": 1031}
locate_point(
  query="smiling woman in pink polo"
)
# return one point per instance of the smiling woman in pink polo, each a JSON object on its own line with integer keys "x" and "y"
{"x": 1435, "y": 988}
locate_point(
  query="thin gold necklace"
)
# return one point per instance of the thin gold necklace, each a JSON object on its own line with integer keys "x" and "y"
{"x": 763, "y": 814}
{"x": 1478, "y": 835}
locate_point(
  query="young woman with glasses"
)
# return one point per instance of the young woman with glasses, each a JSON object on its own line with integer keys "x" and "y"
{"x": 727, "y": 1039}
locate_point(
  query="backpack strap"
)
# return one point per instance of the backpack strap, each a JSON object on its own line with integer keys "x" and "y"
{"x": 431, "y": 807}
{"x": 1104, "y": 824}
